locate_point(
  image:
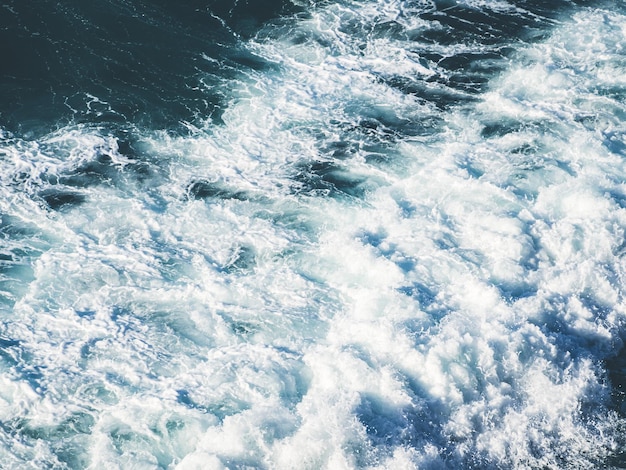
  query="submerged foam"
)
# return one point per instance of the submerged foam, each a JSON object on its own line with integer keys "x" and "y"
{"x": 370, "y": 264}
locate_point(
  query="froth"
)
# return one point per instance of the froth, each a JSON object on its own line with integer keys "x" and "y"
{"x": 345, "y": 274}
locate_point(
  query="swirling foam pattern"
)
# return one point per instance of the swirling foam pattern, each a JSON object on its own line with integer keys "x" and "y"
{"x": 369, "y": 234}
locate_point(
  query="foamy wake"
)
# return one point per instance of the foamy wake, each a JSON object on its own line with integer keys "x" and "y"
{"x": 345, "y": 274}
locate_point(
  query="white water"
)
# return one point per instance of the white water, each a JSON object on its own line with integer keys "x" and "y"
{"x": 452, "y": 308}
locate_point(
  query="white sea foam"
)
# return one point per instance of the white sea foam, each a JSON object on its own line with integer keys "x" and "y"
{"x": 358, "y": 279}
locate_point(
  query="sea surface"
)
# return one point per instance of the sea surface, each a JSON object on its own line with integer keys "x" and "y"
{"x": 301, "y": 234}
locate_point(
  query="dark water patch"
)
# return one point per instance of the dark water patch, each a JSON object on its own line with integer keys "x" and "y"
{"x": 387, "y": 126}
{"x": 242, "y": 259}
{"x": 616, "y": 371}
{"x": 471, "y": 166}
{"x": 618, "y": 458}
{"x": 594, "y": 304}
{"x": 380, "y": 127}
{"x": 76, "y": 423}
{"x": 420, "y": 292}
{"x": 418, "y": 424}
{"x": 72, "y": 454}
{"x": 88, "y": 350}
{"x": 388, "y": 29}
{"x": 554, "y": 10}
{"x": 220, "y": 410}
{"x": 615, "y": 142}
{"x": 138, "y": 159}
{"x": 575, "y": 342}
{"x": 246, "y": 17}
{"x": 446, "y": 241}
{"x": 102, "y": 170}
{"x": 619, "y": 198}
{"x": 374, "y": 239}
{"x": 243, "y": 329}
{"x": 183, "y": 397}
{"x": 8, "y": 343}
{"x": 124, "y": 319}
{"x": 150, "y": 63}
{"x": 88, "y": 314}
{"x": 470, "y": 72}
{"x": 564, "y": 166}
{"x": 527, "y": 149}
{"x": 485, "y": 38}
{"x": 61, "y": 199}
{"x": 431, "y": 90}
{"x": 127, "y": 146}
{"x": 389, "y": 158}
{"x": 407, "y": 207}
{"x": 379, "y": 159}
{"x": 388, "y": 250}
{"x": 468, "y": 83}
{"x": 482, "y": 62}
{"x": 245, "y": 59}
{"x": 209, "y": 190}
{"x": 461, "y": 24}
{"x": 30, "y": 373}
{"x": 94, "y": 62}
{"x": 533, "y": 128}
{"x": 12, "y": 227}
{"x": 615, "y": 92}
{"x": 386, "y": 425}
{"x": 471, "y": 256}
{"x": 340, "y": 149}
{"x": 9, "y": 351}
{"x": 128, "y": 160}
{"x": 514, "y": 291}
{"x": 373, "y": 129}
{"x": 372, "y": 135}
{"x": 325, "y": 178}
{"x": 501, "y": 128}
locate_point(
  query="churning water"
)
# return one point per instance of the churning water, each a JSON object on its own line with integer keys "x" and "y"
{"x": 343, "y": 234}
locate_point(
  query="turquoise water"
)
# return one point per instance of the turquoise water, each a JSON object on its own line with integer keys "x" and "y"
{"x": 374, "y": 234}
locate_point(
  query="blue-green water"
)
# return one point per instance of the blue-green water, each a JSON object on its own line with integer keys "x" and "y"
{"x": 323, "y": 235}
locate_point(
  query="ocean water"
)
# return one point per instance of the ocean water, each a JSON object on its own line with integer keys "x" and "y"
{"x": 351, "y": 234}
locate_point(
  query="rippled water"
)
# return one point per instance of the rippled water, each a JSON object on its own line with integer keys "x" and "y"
{"x": 350, "y": 234}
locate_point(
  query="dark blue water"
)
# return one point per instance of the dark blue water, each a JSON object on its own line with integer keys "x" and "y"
{"x": 352, "y": 234}
{"x": 155, "y": 64}
{"x": 147, "y": 63}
